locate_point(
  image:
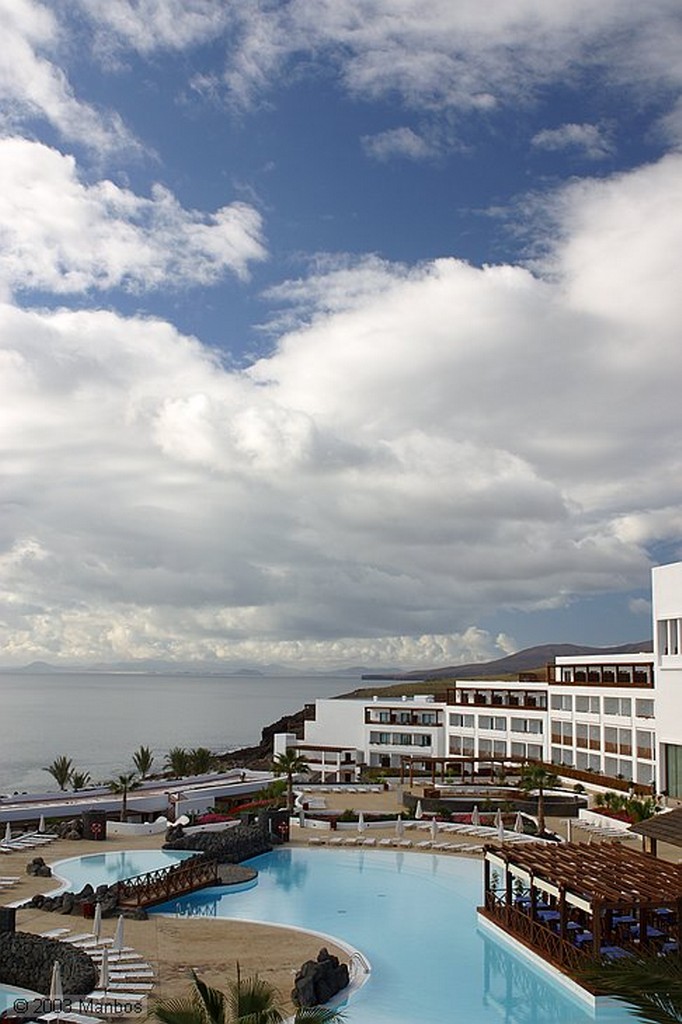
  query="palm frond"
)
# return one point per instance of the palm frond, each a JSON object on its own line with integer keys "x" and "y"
{"x": 651, "y": 986}
{"x": 177, "y": 1011}
{"x": 212, "y": 1001}
{"x": 318, "y": 1015}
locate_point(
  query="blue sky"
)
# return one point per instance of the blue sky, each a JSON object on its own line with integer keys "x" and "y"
{"x": 336, "y": 333}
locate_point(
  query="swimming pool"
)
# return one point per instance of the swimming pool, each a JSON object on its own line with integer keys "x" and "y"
{"x": 106, "y": 868}
{"x": 414, "y": 917}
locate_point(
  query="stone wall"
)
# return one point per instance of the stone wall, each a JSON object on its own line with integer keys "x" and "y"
{"x": 26, "y": 961}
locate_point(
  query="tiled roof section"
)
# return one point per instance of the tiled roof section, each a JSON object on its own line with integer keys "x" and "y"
{"x": 665, "y": 828}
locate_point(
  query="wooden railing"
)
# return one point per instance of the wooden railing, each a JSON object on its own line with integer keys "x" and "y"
{"x": 538, "y": 937}
{"x": 165, "y": 883}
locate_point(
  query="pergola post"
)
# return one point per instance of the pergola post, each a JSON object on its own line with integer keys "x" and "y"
{"x": 596, "y": 925}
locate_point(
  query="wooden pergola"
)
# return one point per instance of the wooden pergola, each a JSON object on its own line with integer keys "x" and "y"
{"x": 571, "y": 901}
{"x": 440, "y": 765}
{"x": 662, "y": 828}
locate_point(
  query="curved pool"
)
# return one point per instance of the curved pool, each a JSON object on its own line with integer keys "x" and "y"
{"x": 414, "y": 917}
{"x": 106, "y": 868}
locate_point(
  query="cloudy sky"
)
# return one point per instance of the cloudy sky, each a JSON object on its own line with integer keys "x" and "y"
{"x": 336, "y": 332}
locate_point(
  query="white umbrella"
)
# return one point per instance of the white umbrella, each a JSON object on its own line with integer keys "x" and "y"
{"x": 518, "y": 824}
{"x": 500, "y": 828}
{"x": 418, "y": 811}
{"x": 434, "y": 828}
{"x": 117, "y": 944}
{"x": 301, "y": 817}
{"x": 8, "y": 833}
{"x": 103, "y": 982}
{"x": 361, "y": 822}
{"x": 97, "y": 921}
{"x": 498, "y": 818}
{"x": 475, "y": 817}
{"x": 56, "y": 989}
{"x": 41, "y": 823}
{"x": 399, "y": 827}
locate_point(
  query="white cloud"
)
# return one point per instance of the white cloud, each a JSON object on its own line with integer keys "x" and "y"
{"x": 433, "y": 443}
{"x": 588, "y": 139}
{"x": 62, "y": 235}
{"x": 398, "y": 142}
{"x": 34, "y": 85}
{"x": 462, "y": 55}
{"x": 149, "y": 25}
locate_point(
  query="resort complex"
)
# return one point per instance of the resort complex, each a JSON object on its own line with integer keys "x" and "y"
{"x": 474, "y": 819}
{"x": 612, "y": 717}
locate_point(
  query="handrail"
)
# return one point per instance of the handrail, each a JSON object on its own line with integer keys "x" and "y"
{"x": 164, "y": 883}
{"x": 358, "y": 964}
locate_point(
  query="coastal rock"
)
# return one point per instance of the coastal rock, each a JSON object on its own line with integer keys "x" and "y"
{"x": 319, "y": 980}
{"x": 26, "y": 961}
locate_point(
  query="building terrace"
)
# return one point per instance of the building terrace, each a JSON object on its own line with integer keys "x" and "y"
{"x": 572, "y": 902}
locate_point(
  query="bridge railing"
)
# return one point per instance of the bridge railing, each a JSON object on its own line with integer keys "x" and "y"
{"x": 164, "y": 883}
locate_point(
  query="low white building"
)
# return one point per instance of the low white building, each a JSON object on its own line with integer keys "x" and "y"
{"x": 667, "y": 616}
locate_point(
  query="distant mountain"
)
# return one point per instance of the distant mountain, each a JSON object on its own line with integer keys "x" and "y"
{"x": 523, "y": 661}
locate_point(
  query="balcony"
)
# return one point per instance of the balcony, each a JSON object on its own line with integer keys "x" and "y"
{"x": 523, "y": 699}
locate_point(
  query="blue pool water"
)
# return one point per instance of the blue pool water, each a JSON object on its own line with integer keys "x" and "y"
{"x": 414, "y": 917}
{"x": 107, "y": 868}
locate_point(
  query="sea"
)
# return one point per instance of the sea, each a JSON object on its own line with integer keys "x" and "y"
{"x": 98, "y": 720}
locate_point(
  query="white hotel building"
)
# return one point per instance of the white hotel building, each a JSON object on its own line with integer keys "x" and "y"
{"x": 618, "y": 716}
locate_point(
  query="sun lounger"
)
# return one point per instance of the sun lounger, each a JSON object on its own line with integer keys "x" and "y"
{"x": 117, "y": 974}
{"x": 129, "y": 986}
{"x": 369, "y": 842}
{"x": 54, "y": 933}
{"x": 351, "y": 841}
{"x": 69, "y": 1018}
{"x": 386, "y": 842}
{"x": 425, "y": 844}
{"x": 404, "y": 843}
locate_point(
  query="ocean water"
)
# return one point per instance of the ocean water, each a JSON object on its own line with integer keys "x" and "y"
{"x": 99, "y": 720}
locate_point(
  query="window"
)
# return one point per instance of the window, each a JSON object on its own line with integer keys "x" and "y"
{"x": 610, "y": 740}
{"x": 587, "y": 705}
{"x": 567, "y": 675}
{"x": 500, "y": 724}
{"x": 595, "y": 737}
{"x": 580, "y": 735}
{"x": 625, "y": 769}
{"x": 462, "y": 721}
{"x": 535, "y": 751}
{"x": 618, "y": 706}
{"x": 645, "y": 745}
{"x": 485, "y": 747}
{"x": 384, "y": 716}
{"x": 594, "y": 762}
{"x": 518, "y": 749}
{"x": 461, "y": 746}
{"x": 611, "y": 766}
{"x": 485, "y": 722}
{"x": 405, "y": 718}
{"x": 625, "y": 742}
{"x": 561, "y": 702}
{"x": 429, "y": 718}
{"x": 526, "y": 725}
{"x": 645, "y": 774}
{"x": 644, "y": 708}
{"x": 500, "y": 748}
{"x": 669, "y": 636}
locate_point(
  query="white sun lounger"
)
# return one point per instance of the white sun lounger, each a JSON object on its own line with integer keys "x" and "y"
{"x": 70, "y": 1018}
{"x": 369, "y": 842}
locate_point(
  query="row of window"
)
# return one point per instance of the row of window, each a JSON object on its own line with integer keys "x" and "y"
{"x": 405, "y": 717}
{"x": 400, "y": 739}
{"x": 613, "y": 766}
{"x": 624, "y": 675}
{"x": 644, "y": 708}
{"x": 465, "y": 746}
{"x": 497, "y": 723}
{"x": 614, "y": 741}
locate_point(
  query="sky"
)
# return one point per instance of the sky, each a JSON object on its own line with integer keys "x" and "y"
{"x": 336, "y": 332}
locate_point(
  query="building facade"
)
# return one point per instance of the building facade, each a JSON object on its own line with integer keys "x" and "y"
{"x": 617, "y": 716}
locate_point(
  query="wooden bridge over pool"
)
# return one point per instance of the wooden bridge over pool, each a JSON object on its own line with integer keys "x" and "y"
{"x": 167, "y": 883}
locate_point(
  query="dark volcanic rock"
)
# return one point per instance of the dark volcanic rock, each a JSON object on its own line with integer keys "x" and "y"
{"x": 230, "y": 846}
{"x": 319, "y": 980}
{"x": 27, "y": 961}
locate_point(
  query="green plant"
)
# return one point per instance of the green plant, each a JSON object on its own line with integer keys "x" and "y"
{"x": 80, "y": 780}
{"x": 289, "y": 764}
{"x": 143, "y": 759}
{"x": 60, "y": 770}
{"x": 122, "y": 785}
{"x": 247, "y": 1001}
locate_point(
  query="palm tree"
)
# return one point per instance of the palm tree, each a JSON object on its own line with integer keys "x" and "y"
{"x": 143, "y": 759}
{"x": 247, "y": 1001}
{"x": 289, "y": 764}
{"x": 122, "y": 785}
{"x": 177, "y": 760}
{"x": 650, "y": 984}
{"x": 60, "y": 770}
{"x": 201, "y": 760}
{"x": 80, "y": 780}
{"x": 536, "y": 776}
